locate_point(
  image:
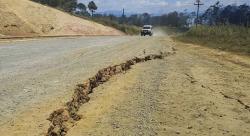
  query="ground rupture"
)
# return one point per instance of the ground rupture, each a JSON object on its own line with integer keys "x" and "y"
{"x": 63, "y": 119}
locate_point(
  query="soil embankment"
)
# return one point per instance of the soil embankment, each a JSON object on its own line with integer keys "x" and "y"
{"x": 24, "y": 18}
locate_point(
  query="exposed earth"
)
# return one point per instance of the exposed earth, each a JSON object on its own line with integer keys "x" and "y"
{"x": 196, "y": 91}
{"x": 24, "y": 18}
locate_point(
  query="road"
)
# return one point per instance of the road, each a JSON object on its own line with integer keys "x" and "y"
{"x": 197, "y": 91}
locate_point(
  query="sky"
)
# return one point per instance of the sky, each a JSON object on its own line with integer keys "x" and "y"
{"x": 154, "y": 7}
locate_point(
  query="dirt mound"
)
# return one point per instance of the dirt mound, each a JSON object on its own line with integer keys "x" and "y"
{"x": 26, "y": 18}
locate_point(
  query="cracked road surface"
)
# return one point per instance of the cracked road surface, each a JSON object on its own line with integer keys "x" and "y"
{"x": 197, "y": 91}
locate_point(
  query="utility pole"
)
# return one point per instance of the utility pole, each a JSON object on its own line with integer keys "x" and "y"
{"x": 123, "y": 16}
{"x": 198, "y": 4}
{"x": 248, "y": 19}
{"x": 123, "y": 12}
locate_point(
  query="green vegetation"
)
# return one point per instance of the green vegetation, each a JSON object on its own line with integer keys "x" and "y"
{"x": 217, "y": 14}
{"x": 65, "y": 5}
{"x": 128, "y": 29}
{"x": 224, "y": 27}
{"x": 228, "y": 38}
{"x": 172, "y": 31}
{"x": 92, "y": 7}
{"x": 81, "y": 10}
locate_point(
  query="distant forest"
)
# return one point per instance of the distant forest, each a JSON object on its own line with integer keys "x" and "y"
{"x": 216, "y": 14}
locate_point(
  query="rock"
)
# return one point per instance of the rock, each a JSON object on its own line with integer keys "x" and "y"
{"x": 140, "y": 133}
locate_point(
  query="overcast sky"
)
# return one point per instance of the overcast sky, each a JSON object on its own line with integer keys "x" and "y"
{"x": 155, "y": 6}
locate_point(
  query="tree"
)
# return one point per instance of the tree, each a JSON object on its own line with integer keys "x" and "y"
{"x": 145, "y": 18}
{"x": 134, "y": 20}
{"x": 172, "y": 19}
{"x": 226, "y": 14}
{"x": 82, "y": 8}
{"x": 231, "y": 14}
{"x": 243, "y": 12}
{"x": 183, "y": 19}
{"x": 248, "y": 19}
{"x": 66, "y": 5}
{"x": 92, "y": 7}
{"x": 212, "y": 14}
{"x": 69, "y": 5}
{"x": 54, "y": 3}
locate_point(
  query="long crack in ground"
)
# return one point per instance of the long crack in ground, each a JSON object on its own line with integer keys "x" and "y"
{"x": 63, "y": 119}
{"x": 192, "y": 80}
{"x": 238, "y": 100}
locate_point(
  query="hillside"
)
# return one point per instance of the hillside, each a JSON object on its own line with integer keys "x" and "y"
{"x": 26, "y": 18}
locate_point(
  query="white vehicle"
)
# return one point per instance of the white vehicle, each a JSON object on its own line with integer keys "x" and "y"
{"x": 147, "y": 30}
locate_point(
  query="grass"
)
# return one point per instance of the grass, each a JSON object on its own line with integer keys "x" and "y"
{"x": 128, "y": 29}
{"x": 226, "y": 38}
{"x": 173, "y": 31}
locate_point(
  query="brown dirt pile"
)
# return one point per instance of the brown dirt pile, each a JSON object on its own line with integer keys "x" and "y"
{"x": 63, "y": 119}
{"x": 27, "y": 18}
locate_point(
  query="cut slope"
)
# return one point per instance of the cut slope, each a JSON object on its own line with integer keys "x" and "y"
{"x": 26, "y": 18}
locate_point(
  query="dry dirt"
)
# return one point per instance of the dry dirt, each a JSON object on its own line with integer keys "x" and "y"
{"x": 39, "y": 76}
{"x": 197, "y": 91}
{"x": 26, "y": 18}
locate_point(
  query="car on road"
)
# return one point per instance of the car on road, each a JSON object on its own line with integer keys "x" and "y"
{"x": 147, "y": 30}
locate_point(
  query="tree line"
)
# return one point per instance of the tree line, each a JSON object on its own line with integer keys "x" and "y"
{"x": 218, "y": 14}
{"x": 174, "y": 19}
{"x": 71, "y": 6}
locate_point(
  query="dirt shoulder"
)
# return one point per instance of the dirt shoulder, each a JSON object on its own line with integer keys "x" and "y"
{"x": 194, "y": 92}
